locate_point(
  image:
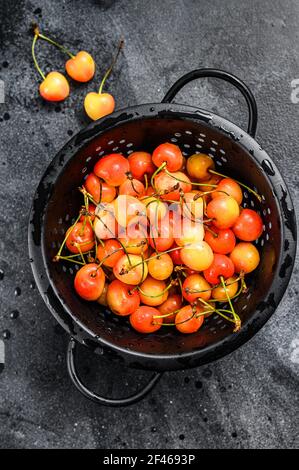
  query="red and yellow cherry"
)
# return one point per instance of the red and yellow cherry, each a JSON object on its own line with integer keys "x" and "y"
{"x": 105, "y": 224}
{"x": 113, "y": 169}
{"x": 80, "y": 238}
{"x": 224, "y": 210}
{"x": 164, "y": 182}
{"x": 231, "y": 283}
{"x": 132, "y": 187}
{"x": 81, "y": 67}
{"x": 222, "y": 266}
{"x": 170, "y": 306}
{"x": 161, "y": 236}
{"x": 54, "y": 87}
{"x": 198, "y": 166}
{"x": 122, "y": 299}
{"x": 126, "y": 208}
{"x": 198, "y": 256}
{"x": 155, "y": 209}
{"x": 170, "y": 154}
{"x": 189, "y": 321}
{"x": 150, "y": 191}
{"x": 194, "y": 287}
{"x": 134, "y": 246}
{"x": 144, "y": 319}
{"x": 228, "y": 187}
{"x": 90, "y": 281}
{"x": 130, "y": 269}
{"x": 248, "y": 226}
{"x": 192, "y": 209}
{"x": 141, "y": 164}
{"x": 90, "y": 214}
{"x": 160, "y": 267}
{"x": 223, "y": 242}
{"x": 102, "y": 300}
{"x": 245, "y": 257}
{"x": 98, "y": 105}
{"x": 110, "y": 252}
{"x": 152, "y": 292}
{"x": 175, "y": 254}
{"x": 191, "y": 232}
{"x": 99, "y": 190}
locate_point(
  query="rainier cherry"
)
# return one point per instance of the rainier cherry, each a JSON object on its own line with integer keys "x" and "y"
{"x": 143, "y": 319}
{"x": 245, "y": 257}
{"x": 113, "y": 169}
{"x": 80, "y": 238}
{"x": 187, "y": 320}
{"x": 99, "y": 190}
{"x": 122, "y": 298}
{"x": 130, "y": 269}
{"x": 221, "y": 266}
{"x": 228, "y": 187}
{"x": 170, "y": 306}
{"x": 172, "y": 184}
{"x": 194, "y": 287}
{"x": 248, "y": 226}
{"x": 90, "y": 281}
{"x": 110, "y": 252}
{"x": 152, "y": 292}
{"x": 81, "y": 67}
{"x": 224, "y": 210}
{"x": 141, "y": 164}
{"x": 223, "y": 242}
{"x": 198, "y": 166}
{"x": 231, "y": 283}
{"x": 98, "y": 105}
{"x": 198, "y": 256}
{"x": 160, "y": 267}
{"x": 169, "y": 154}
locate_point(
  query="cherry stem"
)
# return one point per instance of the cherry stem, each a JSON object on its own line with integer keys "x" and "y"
{"x": 236, "y": 317}
{"x": 241, "y": 184}
{"x": 160, "y": 168}
{"x": 51, "y": 41}
{"x": 34, "y": 58}
{"x": 120, "y": 46}
{"x": 157, "y": 295}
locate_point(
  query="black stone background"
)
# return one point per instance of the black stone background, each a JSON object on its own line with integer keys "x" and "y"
{"x": 248, "y": 399}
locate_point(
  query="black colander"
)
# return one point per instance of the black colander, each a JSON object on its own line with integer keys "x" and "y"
{"x": 235, "y": 153}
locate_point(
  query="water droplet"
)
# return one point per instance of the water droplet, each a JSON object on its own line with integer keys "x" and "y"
{"x": 14, "y": 314}
{"x": 1, "y": 274}
{"x": 32, "y": 285}
{"x": 267, "y": 166}
{"x": 6, "y": 334}
{"x": 17, "y": 291}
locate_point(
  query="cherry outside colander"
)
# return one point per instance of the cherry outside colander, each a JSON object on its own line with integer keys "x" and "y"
{"x": 144, "y": 127}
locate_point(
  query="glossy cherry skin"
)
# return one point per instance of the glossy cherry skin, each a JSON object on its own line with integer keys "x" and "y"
{"x": 54, "y": 87}
{"x": 223, "y": 266}
{"x": 248, "y": 226}
{"x": 122, "y": 299}
{"x": 143, "y": 321}
{"x": 81, "y": 67}
{"x": 223, "y": 243}
{"x": 170, "y": 154}
{"x": 188, "y": 322}
{"x": 99, "y": 190}
{"x": 98, "y": 105}
{"x": 80, "y": 238}
{"x": 170, "y": 306}
{"x": 113, "y": 169}
{"x": 224, "y": 210}
{"x": 110, "y": 253}
{"x": 198, "y": 166}
{"x": 193, "y": 283}
{"x": 228, "y": 187}
{"x": 90, "y": 281}
{"x": 141, "y": 164}
{"x": 245, "y": 257}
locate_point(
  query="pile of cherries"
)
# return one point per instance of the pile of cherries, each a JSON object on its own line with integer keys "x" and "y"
{"x": 163, "y": 240}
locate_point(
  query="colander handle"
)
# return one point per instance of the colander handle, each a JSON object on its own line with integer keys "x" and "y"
{"x": 228, "y": 77}
{"x": 117, "y": 402}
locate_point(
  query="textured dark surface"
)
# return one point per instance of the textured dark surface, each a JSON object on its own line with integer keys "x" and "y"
{"x": 248, "y": 399}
